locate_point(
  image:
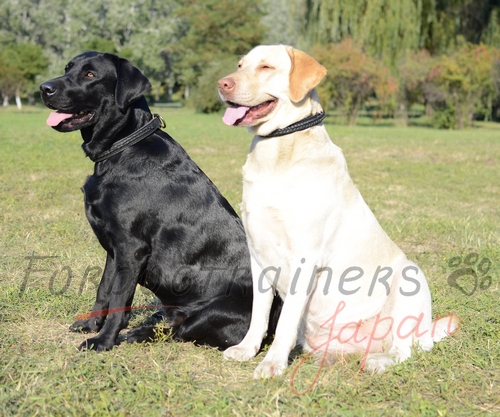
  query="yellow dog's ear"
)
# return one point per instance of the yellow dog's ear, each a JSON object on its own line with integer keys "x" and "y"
{"x": 306, "y": 73}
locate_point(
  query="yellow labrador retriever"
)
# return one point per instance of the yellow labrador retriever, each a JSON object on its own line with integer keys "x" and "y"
{"x": 346, "y": 286}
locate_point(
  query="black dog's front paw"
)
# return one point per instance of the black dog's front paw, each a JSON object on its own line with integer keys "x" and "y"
{"x": 98, "y": 344}
{"x": 86, "y": 326}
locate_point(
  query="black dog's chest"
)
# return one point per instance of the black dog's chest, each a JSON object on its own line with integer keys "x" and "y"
{"x": 125, "y": 211}
{"x": 97, "y": 203}
{"x": 93, "y": 199}
{"x": 105, "y": 194}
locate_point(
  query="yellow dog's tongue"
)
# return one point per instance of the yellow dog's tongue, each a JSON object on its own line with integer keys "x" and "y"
{"x": 55, "y": 118}
{"x": 233, "y": 114}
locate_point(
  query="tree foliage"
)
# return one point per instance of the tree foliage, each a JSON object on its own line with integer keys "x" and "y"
{"x": 138, "y": 30}
{"x": 20, "y": 65}
{"x": 413, "y": 83}
{"x": 495, "y": 105}
{"x": 465, "y": 82}
{"x": 11, "y": 80}
{"x": 386, "y": 29}
{"x": 189, "y": 42}
{"x": 389, "y": 29}
{"x": 283, "y": 21}
{"x": 205, "y": 97}
{"x": 447, "y": 24}
{"x": 213, "y": 28}
{"x": 353, "y": 77}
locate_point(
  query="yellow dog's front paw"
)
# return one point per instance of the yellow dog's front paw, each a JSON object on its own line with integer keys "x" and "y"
{"x": 269, "y": 369}
{"x": 377, "y": 363}
{"x": 240, "y": 353}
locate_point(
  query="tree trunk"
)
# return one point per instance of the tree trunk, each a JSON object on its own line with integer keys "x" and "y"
{"x": 488, "y": 117}
{"x": 353, "y": 114}
{"x": 18, "y": 100}
{"x": 429, "y": 111}
{"x": 403, "y": 113}
{"x": 5, "y": 100}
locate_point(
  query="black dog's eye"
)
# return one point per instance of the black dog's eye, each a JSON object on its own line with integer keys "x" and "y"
{"x": 90, "y": 74}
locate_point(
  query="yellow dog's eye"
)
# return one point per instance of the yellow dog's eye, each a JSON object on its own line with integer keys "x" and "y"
{"x": 266, "y": 67}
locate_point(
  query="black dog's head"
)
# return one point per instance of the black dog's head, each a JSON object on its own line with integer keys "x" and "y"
{"x": 96, "y": 95}
{"x": 93, "y": 84}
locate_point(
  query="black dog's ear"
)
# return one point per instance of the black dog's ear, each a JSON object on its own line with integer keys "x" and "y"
{"x": 131, "y": 84}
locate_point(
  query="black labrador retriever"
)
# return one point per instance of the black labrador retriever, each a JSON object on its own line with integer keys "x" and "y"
{"x": 163, "y": 223}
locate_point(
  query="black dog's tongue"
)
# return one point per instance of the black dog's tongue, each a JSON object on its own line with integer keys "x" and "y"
{"x": 55, "y": 118}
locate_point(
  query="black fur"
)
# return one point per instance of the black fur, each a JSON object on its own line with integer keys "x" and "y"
{"x": 163, "y": 223}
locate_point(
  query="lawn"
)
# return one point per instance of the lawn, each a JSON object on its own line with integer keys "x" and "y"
{"x": 436, "y": 193}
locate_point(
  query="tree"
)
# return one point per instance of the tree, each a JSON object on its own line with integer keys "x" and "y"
{"x": 413, "y": 85}
{"x": 389, "y": 29}
{"x": 11, "y": 80}
{"x": 25, "y": 62}
{"x": 448, "y": 24}
{"x": 211, "y": 30}
{"x": 465, "y": 81}
{"x": 282, "y": 21}
{"x": 495, "y": 111}
{"x": 101, "y": 45}
{"x": 386, "y": 29}
{"x": 64, "y": 29}
{"x": 16, "y": 24}
{"x": 142, "y": 35}
{"x": 491, "y": 34}
{"x": 205, "y": 96}
{"x": 352, "y": 78}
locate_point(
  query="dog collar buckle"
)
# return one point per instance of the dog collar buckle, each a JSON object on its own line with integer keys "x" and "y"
{"x": 163, "y": 125}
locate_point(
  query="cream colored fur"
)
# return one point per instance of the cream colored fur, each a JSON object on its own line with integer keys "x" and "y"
{"x": 313, "y": 239}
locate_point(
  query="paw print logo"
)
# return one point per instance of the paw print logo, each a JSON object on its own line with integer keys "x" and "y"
{"x": 471, "y": 273}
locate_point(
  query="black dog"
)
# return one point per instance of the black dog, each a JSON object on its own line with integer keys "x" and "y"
{"x": 162, "y": 222}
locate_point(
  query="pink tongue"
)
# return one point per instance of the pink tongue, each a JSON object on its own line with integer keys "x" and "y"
{"x": 233, "y": 114}
{"x": 56, "y": 118}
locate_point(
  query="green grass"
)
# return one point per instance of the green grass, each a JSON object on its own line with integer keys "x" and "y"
{"x": 437, "y": 194}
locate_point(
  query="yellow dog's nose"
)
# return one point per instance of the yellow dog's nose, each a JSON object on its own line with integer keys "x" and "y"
{"x": 226, "y": 84}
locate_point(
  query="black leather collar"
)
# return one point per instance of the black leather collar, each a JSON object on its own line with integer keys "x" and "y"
{"x": 132, "y": 139}
{"x": 309, "y": 121}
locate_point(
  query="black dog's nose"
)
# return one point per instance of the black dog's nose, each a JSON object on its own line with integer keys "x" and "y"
{"x": 48, "y": 88}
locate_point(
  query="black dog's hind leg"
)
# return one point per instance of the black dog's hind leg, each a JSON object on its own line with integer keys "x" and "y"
{"x": 148, "y": 331}
{"x": 221, "y": 323}
{"x": 96, "y": 320}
